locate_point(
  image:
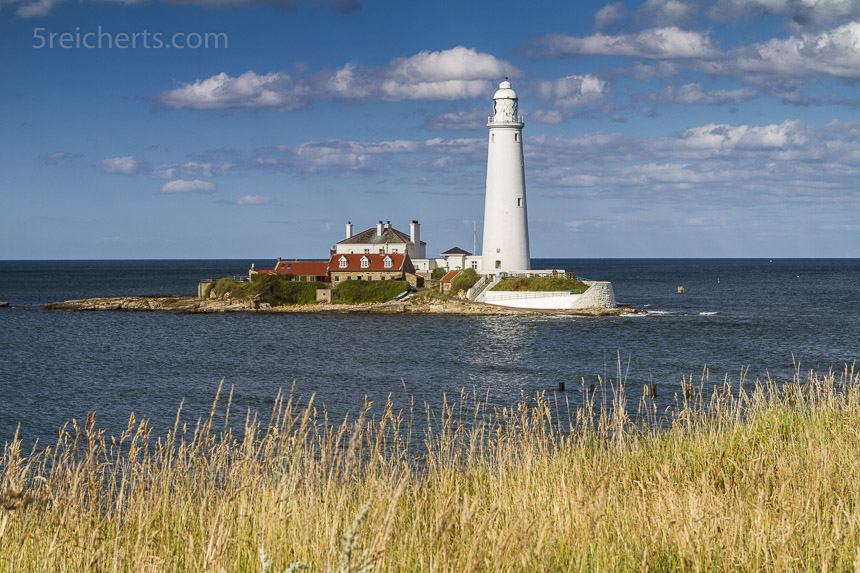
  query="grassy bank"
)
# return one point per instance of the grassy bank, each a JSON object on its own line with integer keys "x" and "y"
{"x": 357, "y": 292}
{"x": 273, "y": 289}
{"x": 542, "y": 284}
{"x": 750, "y": 481}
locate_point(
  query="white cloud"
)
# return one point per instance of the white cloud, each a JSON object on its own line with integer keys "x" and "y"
{"x": 458, "y": 63}
{"x": 186, "y": 186}
{"x": 253, "y": 200}
{"x": 548, "y": 116}
{"x": 694, "y": 93}
{"x": 668, "y": 42}
{"x": 247, "y": 91}
{"x": 608, "y": 16}
{"x": 42, "y": 8}
{"x": 573, "y": 91}
{"x": 126, "y": 165}
{"x": 789, "y": 161}
{"x": 457, "y": 120}
{"x": 36, "y": 9}
{"x": 831, "y": 54}
{"x": 445, "y": 75}
{"x": 803, "y": 13}
{"x": 57, "y": 156}
{"x": 779, "y": 66}
{"x": 662, "y": 13}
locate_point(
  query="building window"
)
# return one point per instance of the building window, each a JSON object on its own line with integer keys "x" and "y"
{"x": 387, "y": 263}
{"x": 365, "y": 262}
{"x": 498, "y": 250}
{"x": 343, "y": 262}
{"x": 474, "y": 264}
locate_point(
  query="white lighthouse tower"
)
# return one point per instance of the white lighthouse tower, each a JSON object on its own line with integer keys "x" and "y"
{"x": 506, "y": 222}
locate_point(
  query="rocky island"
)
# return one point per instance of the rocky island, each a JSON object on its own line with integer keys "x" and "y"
{"x": 418, "y": 305}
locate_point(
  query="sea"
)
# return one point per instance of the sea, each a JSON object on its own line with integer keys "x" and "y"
{"x": 760, "y": 318}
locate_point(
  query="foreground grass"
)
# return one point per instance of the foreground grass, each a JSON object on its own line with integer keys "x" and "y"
{"x": 765, "y": 480}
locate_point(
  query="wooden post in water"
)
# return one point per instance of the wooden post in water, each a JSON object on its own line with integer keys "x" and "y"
{"x": 688, "y": 391}
{"x": 591, "y": 389}
{"x": 561, "y": 386}
{"x": 653, "y": 390}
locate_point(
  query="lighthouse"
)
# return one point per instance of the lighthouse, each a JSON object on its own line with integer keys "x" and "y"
{"x": 506, "y": 222}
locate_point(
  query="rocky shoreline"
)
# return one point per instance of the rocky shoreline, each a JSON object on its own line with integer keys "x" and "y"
{"x": 194, "y": 305}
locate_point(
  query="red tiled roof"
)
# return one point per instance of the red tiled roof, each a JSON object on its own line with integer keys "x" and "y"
{"x": 449, "y": 276}
{"x": 376, "y": 262}
{"x": 298, "y": 268}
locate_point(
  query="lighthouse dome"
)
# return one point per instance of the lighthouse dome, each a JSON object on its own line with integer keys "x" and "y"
{"x": 505, "y": 91}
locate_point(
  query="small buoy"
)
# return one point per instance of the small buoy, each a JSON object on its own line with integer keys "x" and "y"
{"x": 680, "y": 290}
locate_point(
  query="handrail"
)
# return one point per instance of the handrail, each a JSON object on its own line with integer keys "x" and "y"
{"x": 481, "y": 295}
{"x": 507, "y": 119}
{"x": 475, "y": 289}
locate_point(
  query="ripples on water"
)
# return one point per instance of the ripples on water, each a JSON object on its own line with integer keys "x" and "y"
{"x": 736, "y": 313}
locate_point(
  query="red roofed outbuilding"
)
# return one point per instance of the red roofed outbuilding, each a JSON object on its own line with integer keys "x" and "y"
{"x": 301, "y": 270}
{"x": 446, "y": 280}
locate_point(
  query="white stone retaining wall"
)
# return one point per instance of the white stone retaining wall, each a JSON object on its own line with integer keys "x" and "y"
{"x": 598, "y": 295}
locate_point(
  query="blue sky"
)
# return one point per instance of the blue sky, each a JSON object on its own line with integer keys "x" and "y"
{"x": 719, "y": 128}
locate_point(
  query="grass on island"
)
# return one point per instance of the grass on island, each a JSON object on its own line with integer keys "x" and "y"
{"x": 357, "y": 292}
{"x": 764, "y": 479}
{"x": 542, "y": 284}
{"x": 273, "y": 289}
{"x": 463, "y": 281}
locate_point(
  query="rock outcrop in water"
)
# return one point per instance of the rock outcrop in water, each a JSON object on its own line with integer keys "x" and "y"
{"x": 194, "y": 305}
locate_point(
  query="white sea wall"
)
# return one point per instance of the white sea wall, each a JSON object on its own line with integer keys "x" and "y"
{"x": 598, "y": 295}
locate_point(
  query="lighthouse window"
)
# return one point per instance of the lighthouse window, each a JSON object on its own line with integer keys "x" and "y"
{"x": 516, "y": 137}
{"x": 498, "y": 264}
{"x": 519, "y": 201}
{"x": 492, "y": 137}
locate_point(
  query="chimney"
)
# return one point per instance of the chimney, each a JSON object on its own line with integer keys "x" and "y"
{"x": 415, "y": 233}
{"x": 379, "y": 229}
{"x": 348, "y": 229}
{"x": 388, "y": 224}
